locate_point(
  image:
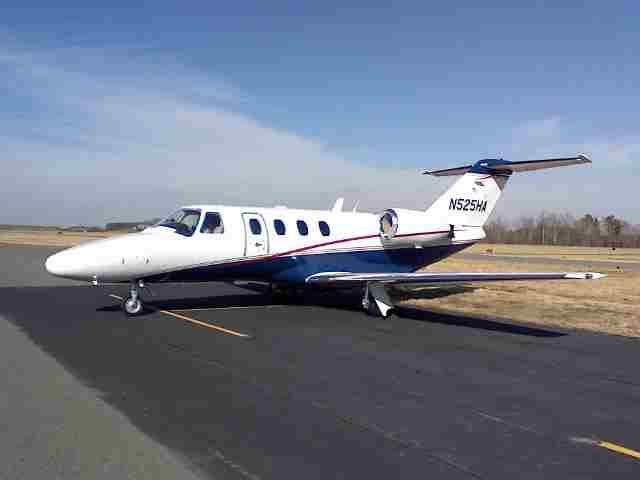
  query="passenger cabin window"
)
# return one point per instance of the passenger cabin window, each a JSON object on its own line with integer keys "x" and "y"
{"x": 324, "y": 228}
{"x": 212, "y": 223}
{"x": 279, "y": 227}
{"x": 183, "y": 221}
{"x": 255, "y": 227}
{"x": 302, "y": 227}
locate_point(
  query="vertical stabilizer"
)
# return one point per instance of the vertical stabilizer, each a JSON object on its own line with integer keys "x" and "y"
{"x": 469, "y": 201}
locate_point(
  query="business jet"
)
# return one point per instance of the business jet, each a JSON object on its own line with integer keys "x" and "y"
{"x": 287, "y": 249}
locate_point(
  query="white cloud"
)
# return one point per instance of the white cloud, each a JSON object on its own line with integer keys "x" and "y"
{"x": 150, "y": 140}
{"x": 96, "y": 135}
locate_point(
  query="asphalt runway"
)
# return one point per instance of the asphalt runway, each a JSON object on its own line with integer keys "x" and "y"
{"x": 219, "y": 383}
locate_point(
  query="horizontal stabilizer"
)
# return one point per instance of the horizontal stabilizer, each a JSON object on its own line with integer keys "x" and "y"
{"x": 500, "y": 166}
{"x": 426, "y": 278}
{"x": 448, "y": 171}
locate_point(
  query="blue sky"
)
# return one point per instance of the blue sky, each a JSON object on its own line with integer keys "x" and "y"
{"x": 121, "y": 111}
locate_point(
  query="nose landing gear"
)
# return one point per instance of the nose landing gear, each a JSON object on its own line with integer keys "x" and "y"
{"x": 133, "y": 305}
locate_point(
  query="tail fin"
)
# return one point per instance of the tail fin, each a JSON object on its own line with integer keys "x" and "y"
{"x": 471, "y": 199}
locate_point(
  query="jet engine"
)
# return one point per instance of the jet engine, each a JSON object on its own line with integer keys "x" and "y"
{"x": 411, "y": 228}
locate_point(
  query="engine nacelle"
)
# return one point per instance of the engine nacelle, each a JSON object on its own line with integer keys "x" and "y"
{"x": 401, "y": 227}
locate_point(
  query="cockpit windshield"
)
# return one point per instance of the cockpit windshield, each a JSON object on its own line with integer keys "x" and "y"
{"x": 183, "y": 221}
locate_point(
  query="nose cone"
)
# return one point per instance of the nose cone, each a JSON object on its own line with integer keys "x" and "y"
{"x": 106, "y": 260}
{"x": 71, "y": 263}
{"x": 59, "y": 264}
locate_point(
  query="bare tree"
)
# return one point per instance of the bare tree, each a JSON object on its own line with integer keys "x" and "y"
{"x": 551, "y": 228}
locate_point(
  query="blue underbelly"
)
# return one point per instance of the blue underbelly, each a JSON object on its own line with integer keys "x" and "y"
{"x": 295, "y": 269}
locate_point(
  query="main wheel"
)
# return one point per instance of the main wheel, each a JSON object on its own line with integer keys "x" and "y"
{"x": 132, "y": 307}
{"x": 371, "y": 308}
{"x": 287, "y": 294}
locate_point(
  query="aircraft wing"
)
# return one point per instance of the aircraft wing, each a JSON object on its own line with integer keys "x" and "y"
{"x": 345, "y": 278}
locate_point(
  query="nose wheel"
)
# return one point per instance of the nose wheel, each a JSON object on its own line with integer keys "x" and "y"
{"x": 133, "y": 304}
{"x": 132, "y": 307}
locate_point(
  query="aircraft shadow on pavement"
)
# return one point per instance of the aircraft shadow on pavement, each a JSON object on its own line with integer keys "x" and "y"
{"x": 219, "y": 301}
{"x": 433, "y": 292}
{"x": 351, "y": 300}
{"x": 475, "y": 322}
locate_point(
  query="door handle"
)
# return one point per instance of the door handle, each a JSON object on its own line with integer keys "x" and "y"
{"x": 258, "y": 244}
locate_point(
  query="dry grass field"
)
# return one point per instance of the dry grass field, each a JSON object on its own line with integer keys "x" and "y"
{"x": 610, "y": 305}
{"x": 558, "y": 252}
{"x": 49, "y": 237}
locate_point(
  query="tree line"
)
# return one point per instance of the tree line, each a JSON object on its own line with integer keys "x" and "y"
{"x": 564, "y": 229}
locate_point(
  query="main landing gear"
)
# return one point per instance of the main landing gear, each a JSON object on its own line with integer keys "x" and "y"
{"x": 376, "y": 301}
{"x": 133, "y": 304}
{"x": 286, "y": 294}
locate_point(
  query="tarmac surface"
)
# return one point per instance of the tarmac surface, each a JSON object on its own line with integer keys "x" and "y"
{"x": 217, "y": 382}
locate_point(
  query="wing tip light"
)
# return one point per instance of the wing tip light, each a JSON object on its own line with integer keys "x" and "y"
{"x": 584, "y": 275}
{"x": 584, "y": 158}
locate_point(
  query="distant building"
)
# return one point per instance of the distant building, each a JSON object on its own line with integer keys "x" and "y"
{"x": 131, "y": 226}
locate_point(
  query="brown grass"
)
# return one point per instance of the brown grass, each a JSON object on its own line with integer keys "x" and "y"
{"x": 609, "y": 305}
{"x": 49, "y": 238}
{"x": 559, "y": 252}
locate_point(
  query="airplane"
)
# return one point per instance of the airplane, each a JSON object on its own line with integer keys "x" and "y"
{"x": 288, "y": 249}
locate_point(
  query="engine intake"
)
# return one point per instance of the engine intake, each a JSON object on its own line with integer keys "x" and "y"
{"x": 410, "y": 228}
{"x": 388, "y": 222}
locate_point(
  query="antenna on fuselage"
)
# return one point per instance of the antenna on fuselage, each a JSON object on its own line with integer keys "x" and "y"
{"x": 337, "y": 207}
{"x": 355, "y": 207}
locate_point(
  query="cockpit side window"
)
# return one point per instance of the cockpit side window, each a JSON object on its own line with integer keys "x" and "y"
{"x": 212, "y": 223}
{"x": 183, "y": 221}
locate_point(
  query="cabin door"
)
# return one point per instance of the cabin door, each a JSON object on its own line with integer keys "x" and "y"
{"x": 256, "y": 237}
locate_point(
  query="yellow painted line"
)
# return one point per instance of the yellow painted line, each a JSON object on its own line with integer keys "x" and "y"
{"x": 197, "y": 322}
{"x": 205, "y": 324}
{"x": 619, "y": 449}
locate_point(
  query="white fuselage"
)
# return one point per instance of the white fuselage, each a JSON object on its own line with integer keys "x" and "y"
{"x": 249, "y": 237}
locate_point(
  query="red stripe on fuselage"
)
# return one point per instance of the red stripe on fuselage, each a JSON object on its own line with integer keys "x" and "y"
{"x": 324, "y": 244}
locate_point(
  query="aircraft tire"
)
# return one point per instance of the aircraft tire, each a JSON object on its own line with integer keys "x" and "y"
{"x": 371, "y": 308}
{"x": 287, "y": 295}
{"x": 132, "y": 308}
